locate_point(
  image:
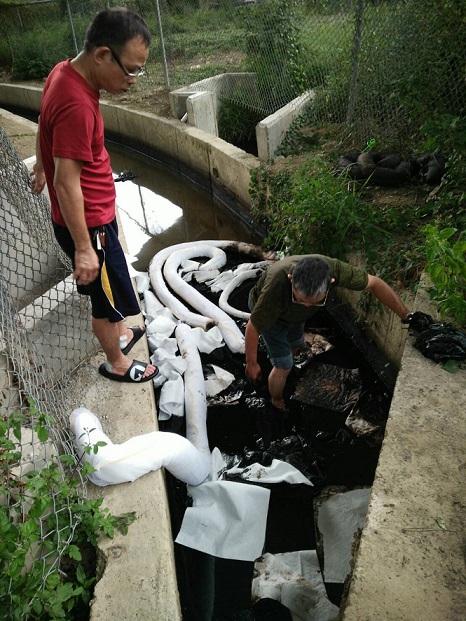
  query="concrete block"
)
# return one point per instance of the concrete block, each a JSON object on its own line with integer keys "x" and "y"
{"x": 178, "y": 101}
{"x": 201, "y": 111}
{"x": 222, "y": 84}
{"x": 111, "y": 116}
{"x": 193, "y": 146}
{"x": 271, "y": 131}
{"x": 28, "y": 97}
{"x": 416, "y": 509}
{"x": 231, "y": 167}
{"x": 145, "y": 128}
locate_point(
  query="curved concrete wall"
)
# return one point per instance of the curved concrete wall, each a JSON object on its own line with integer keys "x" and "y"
{"x": 220, "y": 166}
{"x": 216, "y": 165}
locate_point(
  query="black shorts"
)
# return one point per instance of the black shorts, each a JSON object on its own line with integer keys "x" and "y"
{"x": 112, "y": 293}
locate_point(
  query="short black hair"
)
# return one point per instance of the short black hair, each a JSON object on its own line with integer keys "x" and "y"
{"x": 312, "y": 276}
{"x": 114, "y": 28}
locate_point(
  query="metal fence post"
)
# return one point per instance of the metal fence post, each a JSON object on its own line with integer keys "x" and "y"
{"x": 355, "y": 52}
{"x": 70, "y": 17}
{"x": 162, "y": 44}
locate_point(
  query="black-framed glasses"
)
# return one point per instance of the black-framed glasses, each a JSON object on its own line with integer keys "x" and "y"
{"x": 141, "y": 71}
{"x": 296, "y": 301}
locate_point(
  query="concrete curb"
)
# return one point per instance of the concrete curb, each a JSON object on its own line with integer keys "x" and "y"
{"x": 410, "y": 562}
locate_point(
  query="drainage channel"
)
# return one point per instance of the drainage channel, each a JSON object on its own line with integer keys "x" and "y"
{"x": 338, "y": 398}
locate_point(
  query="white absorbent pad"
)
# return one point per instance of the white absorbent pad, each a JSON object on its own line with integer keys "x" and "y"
{"x": 171, "y": 401}
{"x": 218, "y": 380}
{"x": 295, "y": 580}
{"x": 121, "y": 463}
{"x": 339, "y": 517}
{"x": 277, "y": 472}
{"x": 227, "y": 520}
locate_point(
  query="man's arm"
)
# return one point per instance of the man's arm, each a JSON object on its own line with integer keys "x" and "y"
{"x": 251, "y": 343}
{"x": 67, "y": 184}
{"x": 385, "y": 294}
{"x": 37, "y": 175}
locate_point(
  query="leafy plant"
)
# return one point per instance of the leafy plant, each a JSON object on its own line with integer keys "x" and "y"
{"x": 274, "y": 51}
{"x": 36, "y": 531}
{"x": 27, "y": 68}
{"x": 237, "y": 123}
{"x": 446, "y": 266}
{"x": 313, "y": 211}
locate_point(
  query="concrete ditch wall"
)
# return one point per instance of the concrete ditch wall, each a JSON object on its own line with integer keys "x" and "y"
{"x": 222, "y": 168}
{"x": 409, "y": 566}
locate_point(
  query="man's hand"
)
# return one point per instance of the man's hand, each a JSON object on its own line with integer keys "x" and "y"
{"x": 37, "y": 177}
{"x": 417, "y": 322}
{"x": 86, "y": 266}
{"x": 253, "y": 371}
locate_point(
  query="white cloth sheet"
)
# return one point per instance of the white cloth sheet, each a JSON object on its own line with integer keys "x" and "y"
{"x": 295, "y": 580}
{"x": 338, "y": 519}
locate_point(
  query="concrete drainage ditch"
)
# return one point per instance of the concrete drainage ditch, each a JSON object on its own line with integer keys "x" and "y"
{"x": 407, "y": 565}
{"x": 338, "y": 400}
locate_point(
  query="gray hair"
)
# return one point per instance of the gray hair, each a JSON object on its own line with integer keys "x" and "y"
{"x": 312, "y": 276}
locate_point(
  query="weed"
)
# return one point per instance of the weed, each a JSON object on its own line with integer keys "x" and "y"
{"x": 237, "y": 123}
{"x": 38, "y": 503}
{"x": 446, "y": 265}
{"x": 312, "y": 211}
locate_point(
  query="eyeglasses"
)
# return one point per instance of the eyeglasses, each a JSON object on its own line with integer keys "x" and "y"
{"x": 296, "y": 301}
{"x": 141, "y": 71}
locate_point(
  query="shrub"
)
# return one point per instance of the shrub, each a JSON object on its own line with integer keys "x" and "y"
{"x": 312, "y": 211}
{"x": 43, "y": 517}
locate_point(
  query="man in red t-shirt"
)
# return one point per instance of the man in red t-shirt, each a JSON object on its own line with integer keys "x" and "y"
{"x": 71, "y": 158}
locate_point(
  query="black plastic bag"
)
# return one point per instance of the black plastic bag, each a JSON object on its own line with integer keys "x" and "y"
{"x": 442, "y": 342}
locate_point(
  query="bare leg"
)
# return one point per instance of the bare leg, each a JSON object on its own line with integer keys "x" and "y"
{"x": 108, "y": 335}
{"x": 126, "y": 334}
{"x": 277, "y": 381}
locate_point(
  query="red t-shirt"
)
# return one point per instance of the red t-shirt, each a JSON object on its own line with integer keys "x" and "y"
{"x": 71, "y": 126}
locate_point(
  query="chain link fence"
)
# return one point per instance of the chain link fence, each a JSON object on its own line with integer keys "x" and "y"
{"x": 376, "y": 68}
{"x": 44, "y": 334}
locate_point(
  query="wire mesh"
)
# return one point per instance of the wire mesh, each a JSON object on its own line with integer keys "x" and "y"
{"x": 376, "y": 68}
{"x": 44, "y": 334}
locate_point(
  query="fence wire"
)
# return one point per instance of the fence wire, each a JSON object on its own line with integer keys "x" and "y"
{"x": 377, "y": 68}
{"x": 44, "y": 334}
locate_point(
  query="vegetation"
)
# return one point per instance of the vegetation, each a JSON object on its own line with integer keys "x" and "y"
{"x": 43, "y": 516}
{"x": 308, "y": 207}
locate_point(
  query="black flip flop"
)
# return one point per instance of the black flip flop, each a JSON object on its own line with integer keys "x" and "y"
{"x": 134, "y": 375}
{"x": 137, "y": 333}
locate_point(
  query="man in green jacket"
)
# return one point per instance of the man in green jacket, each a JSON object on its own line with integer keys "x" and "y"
{"x": 289, "y": 293}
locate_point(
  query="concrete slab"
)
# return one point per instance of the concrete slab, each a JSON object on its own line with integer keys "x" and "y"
{"x": 137, "y": 576}
{"x": 201, "y": 112}
{"x": 221, "y": 84}
{"x": 142, "y": 128}
{"x": 271, "y": 131}
{"x": 410, "y": 563}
